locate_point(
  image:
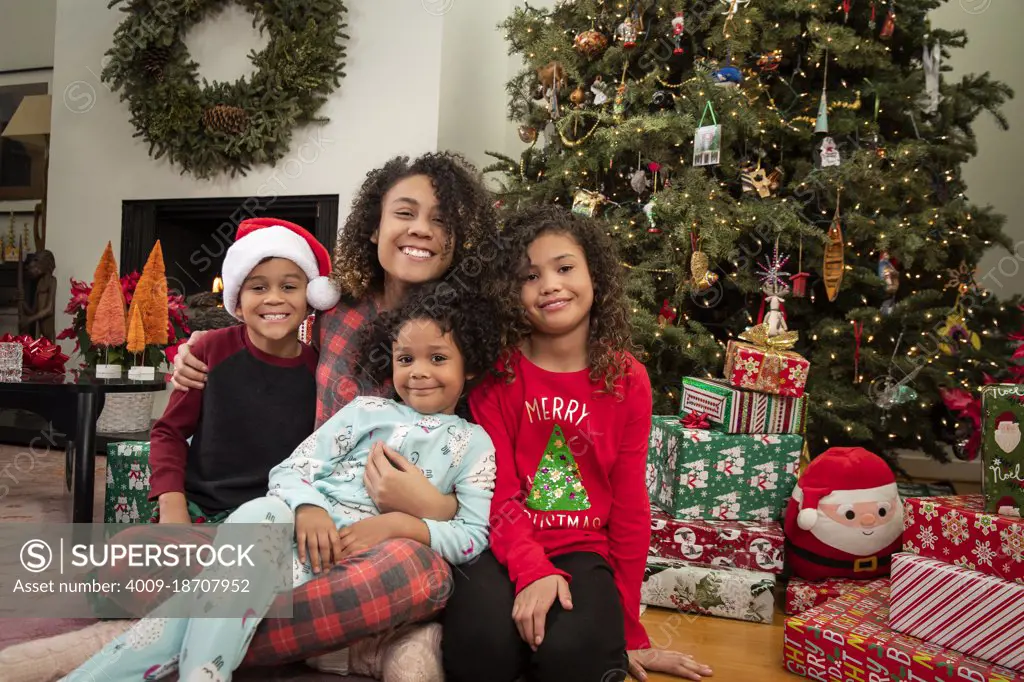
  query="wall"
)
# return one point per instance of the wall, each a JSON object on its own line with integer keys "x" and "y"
{"x": 26, "y": 33}
{"x": 387, "y": 104}
{"x": 993, "y": 32}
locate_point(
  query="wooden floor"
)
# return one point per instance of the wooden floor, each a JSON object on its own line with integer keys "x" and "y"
{"x": 735, "y": 650}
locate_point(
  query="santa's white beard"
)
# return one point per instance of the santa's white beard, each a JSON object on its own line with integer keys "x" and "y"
{"x": 853, "y": 540}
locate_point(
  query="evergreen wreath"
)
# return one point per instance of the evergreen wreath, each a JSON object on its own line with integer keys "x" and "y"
{"x": 209, "y": 128}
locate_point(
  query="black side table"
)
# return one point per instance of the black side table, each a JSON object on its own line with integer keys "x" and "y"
{"x": 70, "y": 401}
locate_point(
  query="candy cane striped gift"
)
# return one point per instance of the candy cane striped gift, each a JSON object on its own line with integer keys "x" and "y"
{"x": 974, "y": 613}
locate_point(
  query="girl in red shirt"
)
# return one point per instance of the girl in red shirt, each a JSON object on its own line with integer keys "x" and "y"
{"x": 569, "y": 412}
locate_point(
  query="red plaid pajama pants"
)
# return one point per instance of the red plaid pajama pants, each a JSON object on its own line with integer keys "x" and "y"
{"x": 396, "y": 582}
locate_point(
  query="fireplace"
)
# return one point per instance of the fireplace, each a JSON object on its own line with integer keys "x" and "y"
{"x": 196, "y": 233}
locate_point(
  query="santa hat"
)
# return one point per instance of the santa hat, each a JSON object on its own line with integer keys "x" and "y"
{"x": 1006, "y": 417}
{"x": 260, "y": 238}
{"x": 842, "y": 476}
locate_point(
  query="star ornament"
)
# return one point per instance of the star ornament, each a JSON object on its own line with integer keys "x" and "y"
{"x": 963, "y": 280}
{"x": 773, "y": 275}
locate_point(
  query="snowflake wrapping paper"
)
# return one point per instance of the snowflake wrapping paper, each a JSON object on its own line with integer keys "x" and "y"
{"x": 711, "y": 591}
{"x": 1002, "y": 453}
{"x": 734, "y": 410}
{"x": 848, "y": 639}
{"x": 752, "y": 545}
{"x": 781, "y": 372}
{"x": 127, "y": 488}
{"x": 697, "y": 474}
{"x": 957, "y": 530}
{"x": 971, "y": 612}
{"x": 802, "y": 595}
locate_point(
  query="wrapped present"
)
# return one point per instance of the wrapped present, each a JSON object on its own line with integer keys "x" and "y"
{"x": 802, "y": 595}
{"x": 1002, "y": 453}
{"x": 848, "y": 639}
{"x": 974, "y": 613}
{"x": 712, "y": 591}
{"x": 699, "y": 474}
{"x": 127, "y": 495}
{"x": 957, "y": 530}
{"x": 752, "y": 545}
{"x": 765, "y": 369}
{"x": 39, "y": 355}
{"x": 733, "y": 410}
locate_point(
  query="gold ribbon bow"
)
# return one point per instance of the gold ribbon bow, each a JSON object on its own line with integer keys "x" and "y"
{"x": 758, "y": 335}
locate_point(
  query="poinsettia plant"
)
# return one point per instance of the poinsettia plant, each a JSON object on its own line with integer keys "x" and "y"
{"x": 154, "y": 354}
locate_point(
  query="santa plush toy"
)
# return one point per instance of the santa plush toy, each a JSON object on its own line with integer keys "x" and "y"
{"x": 845, "y": 518}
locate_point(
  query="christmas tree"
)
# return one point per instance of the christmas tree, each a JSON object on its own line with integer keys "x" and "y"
{"x": 108, "y": 329}
{"x": 152, "y": 289}
{"x": 104, "y": 269}
{"x": 136, "y": 330}
{"x": 557, "y": 485}
{"x": 786, "y": 161}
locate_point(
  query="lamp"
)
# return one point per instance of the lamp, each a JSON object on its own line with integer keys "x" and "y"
{"x": 30, "y": 125}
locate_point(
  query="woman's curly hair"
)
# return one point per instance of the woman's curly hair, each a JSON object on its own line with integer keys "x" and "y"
{"x": 469, "y": 318}
{"x": 610, "y": 334}
{"x": 465, "y": 205}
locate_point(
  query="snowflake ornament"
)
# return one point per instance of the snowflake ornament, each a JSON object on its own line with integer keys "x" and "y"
{"x": 773, "y": 276}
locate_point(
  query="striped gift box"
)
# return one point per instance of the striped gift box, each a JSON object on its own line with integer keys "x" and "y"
{"x": 954, "y": 607}
{"x": 734, "y": 410}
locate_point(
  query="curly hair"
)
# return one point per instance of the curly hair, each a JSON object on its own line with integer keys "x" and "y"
{"x": 464, "y": 203}
{"x": 610, "y": 334}
{"x": 469, "y": 318}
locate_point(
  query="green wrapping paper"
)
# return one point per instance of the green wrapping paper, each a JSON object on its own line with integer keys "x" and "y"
{"x": 1002, "y": 453}
{"x": 697, "y": 474}
{"x": 128, "y": 483}
{"x": 734, "y": 410}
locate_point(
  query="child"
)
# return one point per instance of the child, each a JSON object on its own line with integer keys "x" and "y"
{"x": 435, "y": 348}
{"x": 570, "y": 415}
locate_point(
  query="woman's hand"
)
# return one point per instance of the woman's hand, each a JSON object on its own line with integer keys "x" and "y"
{"x": 664, "y": 661}
{"x": 530, "y": 611}
{"x": 189, "y": 372}
{"x": 315, "y": 531}
{"x": 363, "y": 535}
{"x": 396, "y": 485}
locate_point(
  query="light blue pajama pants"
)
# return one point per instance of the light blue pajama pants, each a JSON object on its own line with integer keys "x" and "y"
{"x": 201, "y": 649}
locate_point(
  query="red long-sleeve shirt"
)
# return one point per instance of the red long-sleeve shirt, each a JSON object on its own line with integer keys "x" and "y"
{"x": 571, "y": 464}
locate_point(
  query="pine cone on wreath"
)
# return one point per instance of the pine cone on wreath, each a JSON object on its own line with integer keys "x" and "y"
{"x": 154, "y": 59}
{"x": 226, "y": 119}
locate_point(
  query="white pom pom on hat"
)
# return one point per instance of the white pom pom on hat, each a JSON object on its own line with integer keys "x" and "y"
{"x": 845, "y": 476}
{"x": 260, "y": 238}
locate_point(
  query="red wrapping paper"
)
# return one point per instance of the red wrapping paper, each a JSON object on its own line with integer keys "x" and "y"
{"x": 974, "y": 613}
{"x": 957, "y": 530}
{"x": 803, "y": 595}
{"x": 848, "y": 639}
{"x": 753, "y": 545}
{"x": 40, "y": 355}
{"x": 769, "y": 371}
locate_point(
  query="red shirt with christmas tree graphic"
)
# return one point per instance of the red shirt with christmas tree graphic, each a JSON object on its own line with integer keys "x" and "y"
{"x": 570, "y": 474}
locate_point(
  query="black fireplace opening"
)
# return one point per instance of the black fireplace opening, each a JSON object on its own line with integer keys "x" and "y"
{"x": 196, "y": 233}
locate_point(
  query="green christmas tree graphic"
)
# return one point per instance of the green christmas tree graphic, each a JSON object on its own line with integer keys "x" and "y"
{"x": 557, "y": 485}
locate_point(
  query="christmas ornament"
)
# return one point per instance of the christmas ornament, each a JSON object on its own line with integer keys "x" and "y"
{"x": 700, "y": 272}
{"x": 638, "y": 181}
{"x": 955, "y": 333}
{"x": 552, "y": 79}
{"x": 846, "y": 11}
{"x": 760, "y": 180}
{"x": 890, "y": 276}
{"x": 666, "y": 315}
{"x": 733, "y": 7}
{"x": 587, "y": 203}
{"x": 707, "y": 141}
{"x": 598, "y": 89}
{"x": 821, "y": 122}
{"x": 662, "y": 100}
{"x": 727, "y": 76}
{"x": 799, "y": 280}
{"x": 527, "y": 134}
{"x": 619, "y": 106}
{"x": 591, "y": 43}
{"x": 774, "y": 287}
{"x": 578, "y": 96}
{"x": 678, "y": 29}
{"x": 705, "y": 65}
{"x": 932, "y": 60}
{"x": 828, "y": 153}
{"x": 842, "y": 493}
{"x": 888, "y": 391}
{"x": 834, "y": 262}
{"x": 649, "y": 209}
{"x": 889, "y": 25}
{"x": 963, "y": 280}
{"x": 770, "y": 61}
{"x": 226, "y": 119}
{"x": 872, "y": 22}
{"x": 627, "y": 33}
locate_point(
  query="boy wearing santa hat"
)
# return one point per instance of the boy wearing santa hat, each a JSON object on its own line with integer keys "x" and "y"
{"x": 260, "y": 399}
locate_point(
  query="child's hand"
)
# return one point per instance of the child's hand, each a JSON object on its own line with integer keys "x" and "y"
{"x": 396, "y": 485}
{"x": 188, "y": 371}
{"x": 175, "y": 515}
{"x": 363, "y": 535}
{"x": 665, "y": 661}
{"x": 315, "y": 527}
{"x": 531, "y": 607}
